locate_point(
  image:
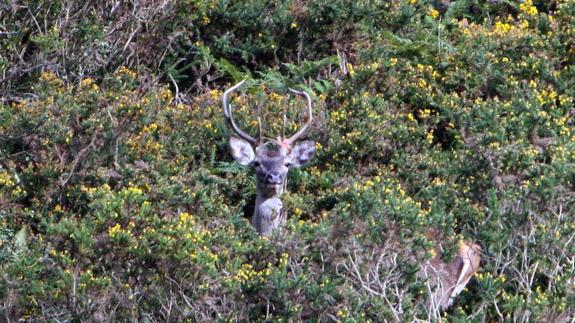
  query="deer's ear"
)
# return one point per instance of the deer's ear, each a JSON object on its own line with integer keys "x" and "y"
{"x": 302, "y": 153}
{"x": 242, "y": 151}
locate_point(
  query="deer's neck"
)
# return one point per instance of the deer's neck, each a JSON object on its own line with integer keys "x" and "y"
{"x": 268, "y": 213}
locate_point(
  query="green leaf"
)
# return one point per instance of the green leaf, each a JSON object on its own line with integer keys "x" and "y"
{"x": 224, "y": 66}
{"x": 20, "y": 244}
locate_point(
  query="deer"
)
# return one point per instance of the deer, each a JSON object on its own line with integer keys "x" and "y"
{"x": 446, "y": 280}
{"x": 271, "y": 159}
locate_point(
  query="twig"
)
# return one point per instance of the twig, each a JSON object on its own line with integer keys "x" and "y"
{"x": 80, "y": 157}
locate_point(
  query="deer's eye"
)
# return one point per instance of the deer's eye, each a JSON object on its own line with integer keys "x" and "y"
{"x": 288, "y": 164}
{"x": 256, "y": 164}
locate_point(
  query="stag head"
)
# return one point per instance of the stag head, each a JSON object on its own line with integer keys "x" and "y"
{"x": 270, "y": 159}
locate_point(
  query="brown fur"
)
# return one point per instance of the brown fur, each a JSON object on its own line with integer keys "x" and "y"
{"x": 447, "y": 279}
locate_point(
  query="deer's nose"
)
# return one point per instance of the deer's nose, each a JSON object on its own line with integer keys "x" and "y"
{"x": 273, "y": 178}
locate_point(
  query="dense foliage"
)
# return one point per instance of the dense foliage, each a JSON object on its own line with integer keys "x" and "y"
{"x": 119, "y": 200}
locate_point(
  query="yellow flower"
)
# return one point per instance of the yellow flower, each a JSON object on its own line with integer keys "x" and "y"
{"x": 341, "y": 313}
{"x": 6, "y": 179}
{"x": 422, "y": 84}
{"x": 86, "y": 82}
{"x": 125, "y": 71}
{"x": 501, "y": 28}
{"x": 437, "y": 182}
{"x": 297, "y": 211}
{"x": 429, "y": 136}
{"x": 275, "y": 97}
{"x": 350, "y": 69}
{"x": 425, "y": 113}
{"x": 433, "y": 13}
{"x": 186, "y": 217}
{"x": 113, "y": 231}
{"x": 18, "y": 192}
{"x": 215, "y": 94}
{"x": 528, "y": 8}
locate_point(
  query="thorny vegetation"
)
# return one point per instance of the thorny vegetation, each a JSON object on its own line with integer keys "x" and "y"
{"x": 119, "y": 199}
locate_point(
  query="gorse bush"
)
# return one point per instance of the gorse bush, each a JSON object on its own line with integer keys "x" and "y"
{"x": 120, "y": 201}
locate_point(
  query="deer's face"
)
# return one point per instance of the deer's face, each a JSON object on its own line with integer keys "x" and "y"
{"x": 271, "y": 163}
{"x": 271, "y": 160}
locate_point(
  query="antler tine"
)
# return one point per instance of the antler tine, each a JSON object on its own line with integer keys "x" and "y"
{"x": 230, "y": 118}
{"x": 300, "y": 132}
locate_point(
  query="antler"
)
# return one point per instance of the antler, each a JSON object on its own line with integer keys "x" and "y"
{"x": 300, "y": 132}
{"x": 230, "y": 118}
{"x": 289, "y": 141}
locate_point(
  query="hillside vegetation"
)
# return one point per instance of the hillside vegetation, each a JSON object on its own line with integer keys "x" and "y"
{"x": 119, "y": 200}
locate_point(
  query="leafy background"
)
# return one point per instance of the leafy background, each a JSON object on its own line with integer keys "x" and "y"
{"x": 120, "y": 201}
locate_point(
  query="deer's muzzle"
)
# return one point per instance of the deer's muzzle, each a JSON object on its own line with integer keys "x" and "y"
{"x": 273, "y": 178}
